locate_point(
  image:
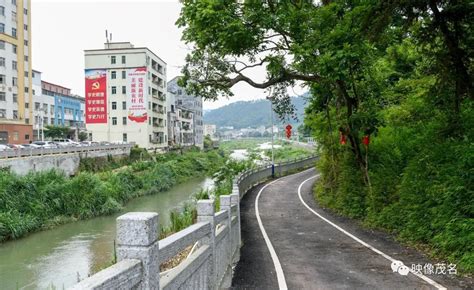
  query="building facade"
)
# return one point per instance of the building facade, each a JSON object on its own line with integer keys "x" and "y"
{"x": 55, "y": 105}
{"x": 192, "y": 103}
{"x": 211, "y": 130}
{"x": 126, "y": 95}
{"x": 15, "y": 72}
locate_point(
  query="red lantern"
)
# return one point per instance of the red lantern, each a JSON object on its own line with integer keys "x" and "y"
{"x": 342, "y": 139}
{"x": 366, "y": 140}
{"x": 288, "y": 131}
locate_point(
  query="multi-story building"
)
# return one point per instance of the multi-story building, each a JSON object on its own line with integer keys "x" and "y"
{"x": 55, "y": 105}
{"x": 192, "y": 103}
{"x": 15, "y": 72}
{"x": 126, "y": 95}
{"x": 210, "y": 129}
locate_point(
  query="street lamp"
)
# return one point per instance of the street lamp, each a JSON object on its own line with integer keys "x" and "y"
{"x": 270, "y": 98}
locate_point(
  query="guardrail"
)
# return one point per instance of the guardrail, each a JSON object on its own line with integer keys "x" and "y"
{"x": 27, "y": 152}
{"x": 214, "y": 240}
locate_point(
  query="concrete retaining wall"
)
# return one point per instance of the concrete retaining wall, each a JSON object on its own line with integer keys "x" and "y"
{"x": 215, "y": 240}
{"x": 67, "y": 162}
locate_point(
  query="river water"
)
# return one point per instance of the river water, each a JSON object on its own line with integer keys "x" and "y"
{"x": 57, "y": 258}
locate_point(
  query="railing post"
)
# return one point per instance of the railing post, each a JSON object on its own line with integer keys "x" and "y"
{"x": 205, "y": 213}
{"x": 137, "y": 238}
{"x": 225, "y": 201}
{"x": 235, "y": 200}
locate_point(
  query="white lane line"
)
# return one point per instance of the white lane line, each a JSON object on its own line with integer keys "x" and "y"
{"x": 276, "y": 261}
{"x": 421, "y": 276}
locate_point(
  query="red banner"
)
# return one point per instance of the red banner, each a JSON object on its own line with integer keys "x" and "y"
{"x": 96, "y": 96}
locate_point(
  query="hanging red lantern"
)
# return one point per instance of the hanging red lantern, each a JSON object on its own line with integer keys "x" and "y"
{"x": 366, "y": 140}
{"x": 288, "y": 131}
{"x": 342, "y": 139}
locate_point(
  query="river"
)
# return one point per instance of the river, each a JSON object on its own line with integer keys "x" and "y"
{"x": 57, "y": 258}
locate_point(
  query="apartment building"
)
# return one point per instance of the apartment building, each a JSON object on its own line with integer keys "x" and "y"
{"x": 15, "y": 72}
{"x": 211, "y": 130}
{"x": 192, "y": 103}
{"x": 126, "y": 95}
{"x": 55, "y": 105}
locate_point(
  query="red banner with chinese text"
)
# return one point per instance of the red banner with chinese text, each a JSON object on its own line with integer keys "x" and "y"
{"x": 96, "y": 96}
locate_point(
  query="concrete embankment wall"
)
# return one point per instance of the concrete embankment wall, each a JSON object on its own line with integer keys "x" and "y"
{"x": 67, "y": 162}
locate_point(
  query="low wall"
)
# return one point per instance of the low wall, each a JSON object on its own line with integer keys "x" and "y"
{"x": 67, "y": 160}
{"x": 214, "y": 240}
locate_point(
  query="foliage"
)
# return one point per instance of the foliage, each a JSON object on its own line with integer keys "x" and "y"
{"x": 55, "y": 132}
{"x": 257, "y": 113}
{"x": 38, "y": 200}
{"x": 397, "y": 71}
{"x": 288, "y": 152}
{"x": 82, "y": 136}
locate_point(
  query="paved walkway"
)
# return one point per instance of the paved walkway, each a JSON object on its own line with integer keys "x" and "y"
{"x": 316, "y": 249}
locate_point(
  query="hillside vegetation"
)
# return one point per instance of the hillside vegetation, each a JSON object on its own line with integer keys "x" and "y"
{"x": 257, "y": 113}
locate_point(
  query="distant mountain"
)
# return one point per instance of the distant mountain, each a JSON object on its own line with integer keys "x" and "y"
{"x": 244, "y": 114}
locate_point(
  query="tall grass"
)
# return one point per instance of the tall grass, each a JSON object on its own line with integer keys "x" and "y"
{"x": 42, "y": 199}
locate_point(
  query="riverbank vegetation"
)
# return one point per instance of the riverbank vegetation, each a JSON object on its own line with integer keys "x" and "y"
{"x": 43, "y": 199}
{"x": 391, "y": 103}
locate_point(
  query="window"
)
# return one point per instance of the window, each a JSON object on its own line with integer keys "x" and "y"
{"x": 45, "y": 108}
{"x": 14, "y": 81}
{"x": 113, "y": 75}
{"x": 124, "y": 120}
{"x": 25, "y": 11}
{"x": 124, "y": 137}
{"x": 14, "y": 2}
{"x": 27, "y": 105}
{"x": 27, "y": 89}
{"x": 3, "y": 96}
{"x": 14, "y": 48}
{"x": 37, "y": 106}
{"x": 15, "y": 114}
{"x": 51, "y": 109}
{"x": 2, "y": 61}
{"x": 3, "y": 113}
{"x": 2, "y": 10}
{"x": 14, "y": 65}
{"x": 14, "y": 32}
{"x": 124, "y": 89}
{"x": 25, "y": 42}
{"x": 124, "y": 74}
{"x": 26, "y": 58}
{"x": 27, "y": 137}
{"x": 13, "y": 16}
{"x": 15, "y": 98}
{"x": 114, "y": 120}
{"x": 112, "y": 59}
{"x": 2, "y": 79}
{"x": 114, "y": 105}
{"x": 26, "y": 74}
{"x": 114, "y": 90}
{"x": 15, "y": 136}
{"x": 2, "y": 44}
{"x": 124, "y": 105}
{"x": 2, "y": 28}
{"x": 124, "y": 58}
{"x": 25, "y": 26}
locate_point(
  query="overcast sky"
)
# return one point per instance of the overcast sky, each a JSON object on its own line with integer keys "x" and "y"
{"x": 63, "y": 29}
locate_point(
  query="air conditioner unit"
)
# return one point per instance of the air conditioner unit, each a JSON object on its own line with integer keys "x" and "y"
{"x": 9, "y": 89}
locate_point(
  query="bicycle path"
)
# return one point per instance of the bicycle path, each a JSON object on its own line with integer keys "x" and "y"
{"x": 291, "y": 242}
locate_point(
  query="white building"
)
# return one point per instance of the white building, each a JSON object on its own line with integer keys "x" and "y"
{"x": 126, "y": 95}
{"x": 190, "y": 102}
{"x": 210, "y": 129}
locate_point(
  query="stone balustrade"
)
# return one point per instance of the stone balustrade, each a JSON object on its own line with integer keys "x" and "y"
{"x": 214, "y": 240}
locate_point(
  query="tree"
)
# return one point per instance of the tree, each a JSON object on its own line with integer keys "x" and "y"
{"x": 82, "y": 136}
{"x": 55, "y": 132}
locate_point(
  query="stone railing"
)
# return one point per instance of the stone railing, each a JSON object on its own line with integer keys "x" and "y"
{"x": 212, "y": 244}
{"x": 27, "y": 152}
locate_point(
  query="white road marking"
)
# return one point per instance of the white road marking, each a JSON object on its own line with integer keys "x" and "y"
{"x": 276, "y": 261}
{"x": 421, "y": 276}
